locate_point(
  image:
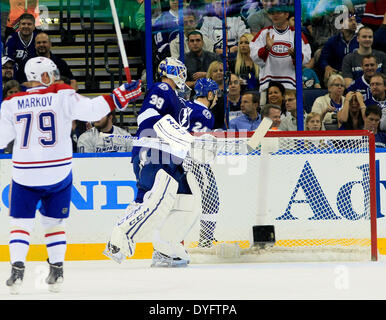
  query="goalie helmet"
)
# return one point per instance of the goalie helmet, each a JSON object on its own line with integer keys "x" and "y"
{"x": 204, "y": 85}
{"x": 173, "y": 69}
{"x": 35, "y": 68}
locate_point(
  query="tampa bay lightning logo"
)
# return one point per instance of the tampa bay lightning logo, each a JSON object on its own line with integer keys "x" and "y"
{"x": 184, "y": 117}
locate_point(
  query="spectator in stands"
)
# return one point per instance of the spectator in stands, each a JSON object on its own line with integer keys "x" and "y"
{"x": 313, "y": 122}
{"x": 273, "y": 49}
{"x": 380, "y": 36}
{"x": 234, "y": 96}
{"x": 16, "y": 9}
{"x": 362, "y": 84}
{"x": 275, "y": 95}
{"x": 329, "y": 104}
{"x": 212, "y": 27}
{"x": 309, "y": 76}
{"x": 20, "y": 46}
{"x": 92, "y": 141}
{"x": 323, "y": 22}
{"x": 273, "y": 112}
{"x": 351, "y": 115}
{"x": 7, "y": 69}
{"x": 378, "y": 87}
{"x": 43, "y": 48}
{"x": 11, "y": 87}
{"x": 374, "y": 12}
{"x": 244, "y": 67}
{"x": 250, "y": 119}
{"x": 216, "y": 73}
{"x": 289, "y": 122}
{"x": 163, "y": 26}
{"x": 337, "y": 47}
{"x": 190, "y": 24}
{"x": 261, "y": 19}
{"x": 197, "y": 60}
{"x": 373, "y": 115}
{"x": 352, "y": 62}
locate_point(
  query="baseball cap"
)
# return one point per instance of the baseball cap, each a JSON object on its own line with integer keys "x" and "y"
{"x": 5, "y": 59}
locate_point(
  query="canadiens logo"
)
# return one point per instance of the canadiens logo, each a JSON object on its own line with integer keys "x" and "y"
{"x": 280, "y": 49}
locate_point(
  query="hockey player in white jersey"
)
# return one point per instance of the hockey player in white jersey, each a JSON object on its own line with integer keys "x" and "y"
{"x": 39, "y": 121}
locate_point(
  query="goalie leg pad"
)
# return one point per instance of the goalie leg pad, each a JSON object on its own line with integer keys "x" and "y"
{"x": 142, "y": 218}
{"x": 177, "y": 224}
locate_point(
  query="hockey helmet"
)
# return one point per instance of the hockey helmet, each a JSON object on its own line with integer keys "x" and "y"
{"x": 173, "y": 69}
{"x": 204, "y": 85}
{"x": 35, "y": 67}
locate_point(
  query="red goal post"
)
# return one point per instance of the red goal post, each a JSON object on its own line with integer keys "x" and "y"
{"x": 316, "y": 189}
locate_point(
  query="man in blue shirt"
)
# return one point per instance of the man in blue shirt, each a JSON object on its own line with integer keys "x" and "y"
{"x": 250, "y": 119}
{"x": 20, "y": 46}
{"x": 337, "y": 47}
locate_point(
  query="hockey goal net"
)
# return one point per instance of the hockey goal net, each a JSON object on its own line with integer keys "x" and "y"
{"x": 301, "y": 196}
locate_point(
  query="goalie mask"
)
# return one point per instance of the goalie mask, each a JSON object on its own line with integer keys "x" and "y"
{"x": 36, "y": 67}
{"x": 173, "y": 69}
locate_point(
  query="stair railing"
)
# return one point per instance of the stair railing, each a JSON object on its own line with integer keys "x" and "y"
{"x": 66, "y": 35}
{"x": 90, "y": 81}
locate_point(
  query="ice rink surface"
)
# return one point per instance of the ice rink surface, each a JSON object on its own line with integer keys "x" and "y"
{"x": 135, "y": 280}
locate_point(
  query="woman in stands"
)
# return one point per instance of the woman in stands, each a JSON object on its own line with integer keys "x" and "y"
{"x": 313, "y": 122}
{"x": 329, "y": 104}
{"x": 244, "y": 67}
{"x": 275, "y": 95}
{"x": 216, "y": 73}
{"x": 351, "y": 116}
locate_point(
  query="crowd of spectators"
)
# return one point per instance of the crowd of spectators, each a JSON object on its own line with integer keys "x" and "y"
{"x": 343, "y": 59}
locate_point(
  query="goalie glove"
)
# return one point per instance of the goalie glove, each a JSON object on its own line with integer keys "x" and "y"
{"x": 126, "y": 93}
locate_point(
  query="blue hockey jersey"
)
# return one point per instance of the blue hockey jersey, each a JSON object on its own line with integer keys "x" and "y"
{"x": 19, "y": 51}
{"x": 197, "y": 117}
{"x": 159, "y": 101}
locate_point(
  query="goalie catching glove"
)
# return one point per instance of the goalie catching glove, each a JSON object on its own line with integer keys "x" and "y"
{"x": 126, "y": 93}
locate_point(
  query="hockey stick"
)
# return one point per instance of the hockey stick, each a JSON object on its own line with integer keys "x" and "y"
{"x": 120, "y": 41}
{"x": 259, "y": 134}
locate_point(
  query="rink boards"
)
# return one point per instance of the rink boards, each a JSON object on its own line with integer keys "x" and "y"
{"x": 104, "y": 184}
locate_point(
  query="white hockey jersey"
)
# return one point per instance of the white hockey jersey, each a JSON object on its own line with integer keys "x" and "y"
{"x": 212, "y": 28}
{"x": 40, "y": 122}
{"x": 276, "y": 64}
{"x": 91, "y": 141}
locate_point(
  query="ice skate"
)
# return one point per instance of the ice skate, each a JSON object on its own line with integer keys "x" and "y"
{"x": 55, "y": 277}
{"x": 160, "y": 260}
{"x": 114, "y": 253}
{"x": 16, "y": 279}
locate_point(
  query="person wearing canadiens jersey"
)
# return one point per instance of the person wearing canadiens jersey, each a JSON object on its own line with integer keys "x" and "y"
{"x": 39, "y": 121}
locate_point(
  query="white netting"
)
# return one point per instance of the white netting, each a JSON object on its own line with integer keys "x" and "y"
{"x": 315, "y": 191}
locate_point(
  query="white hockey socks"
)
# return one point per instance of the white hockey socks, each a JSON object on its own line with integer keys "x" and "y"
{"x": 55, "y": 238}
{"x": 19, "y": 239}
